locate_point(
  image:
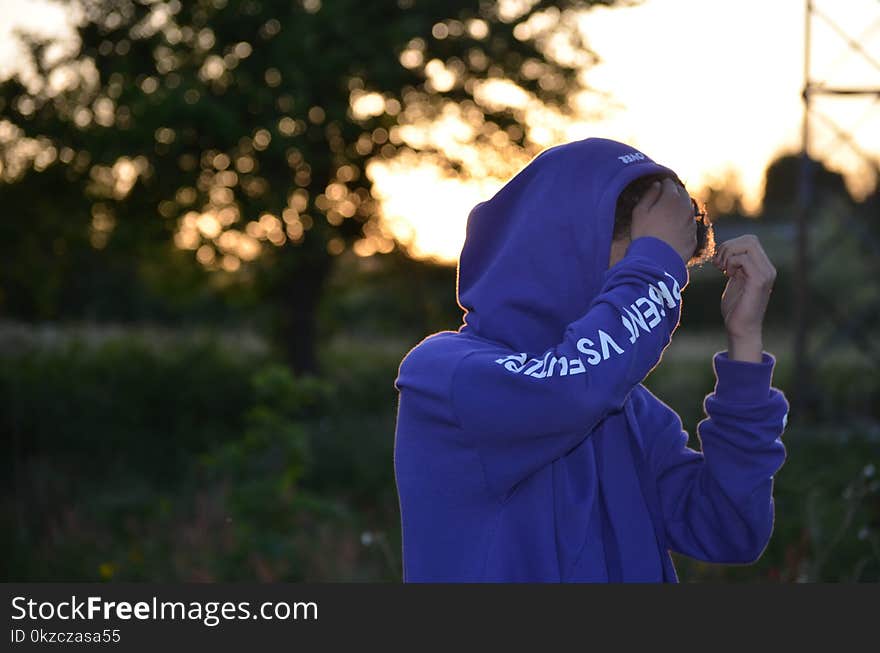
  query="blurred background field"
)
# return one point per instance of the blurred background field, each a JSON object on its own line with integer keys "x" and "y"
{"x": 192, "y": 454}
{"x": 225, "y": 223}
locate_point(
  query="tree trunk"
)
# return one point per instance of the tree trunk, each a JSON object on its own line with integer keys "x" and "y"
{"x": 297, "y": 287}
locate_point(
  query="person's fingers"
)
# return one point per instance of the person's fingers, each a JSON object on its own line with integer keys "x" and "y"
{"x": 739, "y": 263}
{"x": 742, "y": 243}
{"x": 650, "y": 197}
{"x": 751, "y": 271}
{"x": 765, "y": 272}
{"x": 669, "y": 186}
{"x": 724, "y": 253}
{"x": 677, "y": 200}
{"x": 732, "y": 292}
{"x": 748, "y": 244}
{"x": 721, "y": 254}
{"x": 738, "y": 245}
{"x": 731, "y": 262}
{"x": 749, "y": 255}
{"x": 680, "y": 190}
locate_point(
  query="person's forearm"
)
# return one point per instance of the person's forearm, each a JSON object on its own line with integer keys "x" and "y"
{"x": 746, "y": 349}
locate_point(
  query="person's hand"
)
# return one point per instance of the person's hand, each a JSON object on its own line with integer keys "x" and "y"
{"x": 665, "y": 211}
{"x": 744, "y": 300}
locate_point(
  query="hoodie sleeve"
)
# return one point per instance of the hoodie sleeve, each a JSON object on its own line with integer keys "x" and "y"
{"x": 522, "y": 410}
{"x": 718, "y": 504}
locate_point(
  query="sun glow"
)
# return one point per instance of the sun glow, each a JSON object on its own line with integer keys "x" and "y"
{"x": 424, "y": 209}
{"x": 712, "y": 90}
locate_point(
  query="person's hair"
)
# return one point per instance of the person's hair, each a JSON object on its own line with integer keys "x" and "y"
{"x": 631, "y": 195}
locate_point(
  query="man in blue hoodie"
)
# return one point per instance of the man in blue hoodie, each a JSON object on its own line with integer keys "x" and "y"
{"x": 527, "y": 448}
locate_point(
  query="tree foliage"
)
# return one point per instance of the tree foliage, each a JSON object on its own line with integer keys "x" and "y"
{"x": 242, "y": 130}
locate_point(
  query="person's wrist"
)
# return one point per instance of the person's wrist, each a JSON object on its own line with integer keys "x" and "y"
{"x": 659, "y": 251}
{"x": 745, "y": 347}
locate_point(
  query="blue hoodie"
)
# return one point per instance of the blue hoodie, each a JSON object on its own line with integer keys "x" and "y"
{"x": 527, "y": 448}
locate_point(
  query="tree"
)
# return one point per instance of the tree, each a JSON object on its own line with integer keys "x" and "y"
{"x": 242, "y": 129}
{"x": 724, "y": 197}
{"x": 782, "y": 183}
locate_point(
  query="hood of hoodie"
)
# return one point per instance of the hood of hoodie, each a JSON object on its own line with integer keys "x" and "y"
{"x": 536, "y": 254}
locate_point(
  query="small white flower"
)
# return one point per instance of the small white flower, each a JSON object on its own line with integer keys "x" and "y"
{"x": 863, "y": 533}
{"x": 366, "y": 538}
{"x": 869, "y": 470}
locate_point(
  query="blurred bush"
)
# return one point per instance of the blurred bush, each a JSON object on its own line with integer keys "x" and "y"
{"x": 127, "y": 404}
{"x": 191, "y": 461}
{"x": 197, "y": 460}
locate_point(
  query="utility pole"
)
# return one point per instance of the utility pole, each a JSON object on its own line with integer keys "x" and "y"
{"x": 803, "y": 395}
{"x": 801, "y": 281}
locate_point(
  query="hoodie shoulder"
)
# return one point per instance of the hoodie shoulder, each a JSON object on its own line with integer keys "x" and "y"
{"x": 429, "y": 365}
{"x": 424, "y": 381}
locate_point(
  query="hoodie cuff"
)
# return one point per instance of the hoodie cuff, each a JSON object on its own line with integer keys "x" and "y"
{"x": 662, "y": 253}
{"x": 743, "y": 382}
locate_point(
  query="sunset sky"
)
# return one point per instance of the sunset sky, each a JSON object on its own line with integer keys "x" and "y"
{"x": 711, "y": 89}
